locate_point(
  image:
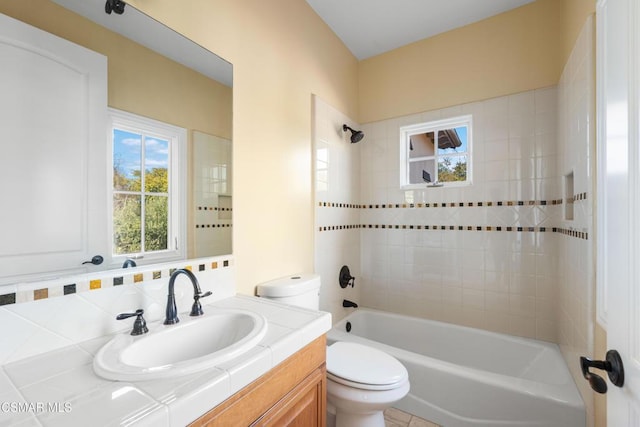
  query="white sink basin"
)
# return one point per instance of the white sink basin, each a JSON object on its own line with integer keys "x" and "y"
{"x": 193, "y": 345}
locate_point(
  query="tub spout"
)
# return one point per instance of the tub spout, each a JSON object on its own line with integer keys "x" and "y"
{"x": 347, "y": 303}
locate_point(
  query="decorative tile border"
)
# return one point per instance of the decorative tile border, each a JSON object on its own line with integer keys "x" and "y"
{"x": 340, "y": 205}
{"x": 573, "y": 233}
{"x": 105, "y": 282}
{"x": 213, "y": 208}
{"x": 213, "y": 225}
{"x": 450, "y": 204}
{"x": 509, "y": 203}
{"x": 340, "y": 227}
{"x": 567, "y": 232}
{"x": 440, "y": 227}
{"x": 580, "y": 197}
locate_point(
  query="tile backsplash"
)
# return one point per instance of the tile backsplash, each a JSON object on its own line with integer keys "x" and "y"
{"x": 47, "y": 315}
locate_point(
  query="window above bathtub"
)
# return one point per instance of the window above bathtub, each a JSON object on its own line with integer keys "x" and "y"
{"x": 436, "y": 153}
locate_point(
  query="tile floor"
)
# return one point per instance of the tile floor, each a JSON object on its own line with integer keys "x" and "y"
{"x": 396, "y": 418}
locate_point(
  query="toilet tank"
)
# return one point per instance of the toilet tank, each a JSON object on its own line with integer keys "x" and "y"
{"x": 302, "y": 290}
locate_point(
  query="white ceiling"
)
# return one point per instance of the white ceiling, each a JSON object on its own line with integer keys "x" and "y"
{"x": 372, "y": 27}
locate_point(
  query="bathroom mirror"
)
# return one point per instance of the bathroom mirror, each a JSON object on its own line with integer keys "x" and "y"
{"x": 156, "y": 74}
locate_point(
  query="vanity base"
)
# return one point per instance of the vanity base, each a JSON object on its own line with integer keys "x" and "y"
{"x": 291, "y": 394}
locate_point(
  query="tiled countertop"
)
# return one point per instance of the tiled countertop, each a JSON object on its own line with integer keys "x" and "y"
{"x": 59, "y": 388}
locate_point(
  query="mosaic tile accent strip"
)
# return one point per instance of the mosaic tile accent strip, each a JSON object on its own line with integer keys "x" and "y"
{"x": 579, "y": 197}
{"x": 340, "y": 227}
{"x": 554, "y": 202}
{"x": 568, "y": 232}
{"x": 214, "y": 208}
{"x": 572, "y": 233}
{"x": 94, "y": 284}
{"x": 459, "y": 228}
{"x": 8, "y": 299}
{"x": 213, "y": 225}
{"x": 340, "y": 205}
{"x": 41, "y": 294}
{"x": 508, "y": 203}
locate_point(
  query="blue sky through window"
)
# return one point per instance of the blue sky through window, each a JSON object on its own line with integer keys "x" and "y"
{"x": 127, "y": 152}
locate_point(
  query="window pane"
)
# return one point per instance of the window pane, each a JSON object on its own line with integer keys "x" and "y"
{"x": 421, "y": 145}
{"x": 156, "y": 223}
{"x": 452, "y": 168}
{"x": 127, "y": 154}
{"x": 156, "y": 165}
{"x": 422, "y": 171}
{"x": 452, "y": 140}
{"x": 126, "y": 224}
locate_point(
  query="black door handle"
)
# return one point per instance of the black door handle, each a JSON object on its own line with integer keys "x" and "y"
{"x": 96, "y": 260}
{"x": 612, "y": 364}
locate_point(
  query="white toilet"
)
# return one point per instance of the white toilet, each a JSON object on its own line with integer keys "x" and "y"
{"x": 361, "y": 381}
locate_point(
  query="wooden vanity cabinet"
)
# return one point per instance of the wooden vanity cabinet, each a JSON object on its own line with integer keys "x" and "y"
{"x": 294, "y": 393}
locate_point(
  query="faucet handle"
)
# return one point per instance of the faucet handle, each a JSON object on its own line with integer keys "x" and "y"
{"x": 201, "y": 295}
{"x": 196, "y": 308}
{"x": 139, "y": 325}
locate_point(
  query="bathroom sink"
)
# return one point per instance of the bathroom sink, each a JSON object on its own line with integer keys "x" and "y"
{"x": 193, "y": 345}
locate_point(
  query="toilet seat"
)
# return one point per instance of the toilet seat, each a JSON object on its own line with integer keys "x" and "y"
{"x": 359, "y": 366}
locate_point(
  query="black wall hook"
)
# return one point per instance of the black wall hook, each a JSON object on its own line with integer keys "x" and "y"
{"x": 612, "y": 365}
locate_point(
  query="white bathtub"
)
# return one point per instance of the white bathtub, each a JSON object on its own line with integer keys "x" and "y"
{"x": 464, "y": 377}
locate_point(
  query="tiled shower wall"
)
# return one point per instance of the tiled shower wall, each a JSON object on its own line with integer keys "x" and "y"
{"x": 337, "y": 188}
{"x": 576, "y": 259}
{"x": 482, "y": 255}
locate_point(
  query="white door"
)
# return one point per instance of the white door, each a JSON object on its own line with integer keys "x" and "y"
{"x": 618, "y": 41}
{"x": 53, "y": 106}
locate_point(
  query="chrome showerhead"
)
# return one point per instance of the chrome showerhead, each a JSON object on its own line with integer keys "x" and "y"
{"x": 356, "y": 135}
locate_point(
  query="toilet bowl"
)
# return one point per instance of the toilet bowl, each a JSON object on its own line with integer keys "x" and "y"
{"x": 361, "y": 381}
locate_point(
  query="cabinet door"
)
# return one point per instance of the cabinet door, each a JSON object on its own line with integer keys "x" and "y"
{"x": 304, "y": 406}
{"x": 53, "y": 169}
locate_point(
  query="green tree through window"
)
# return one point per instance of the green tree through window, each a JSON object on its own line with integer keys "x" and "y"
{"x": 141, "y": 193}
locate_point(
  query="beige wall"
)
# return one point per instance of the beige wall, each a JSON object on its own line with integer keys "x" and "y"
{"x": 140, "y": 80}
{"x": 519, "y": 50}
{"x": 512, "y": 52}
{"x": 574, "y": 14}
{"x": 281, "y": 53}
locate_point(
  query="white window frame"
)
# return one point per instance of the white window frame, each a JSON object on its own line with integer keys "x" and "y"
{"x": 177, "y": 138}
{"x": 434, "y": 126}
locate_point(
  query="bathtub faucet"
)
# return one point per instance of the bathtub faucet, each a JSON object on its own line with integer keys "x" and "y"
{"x": 347, "y": 303}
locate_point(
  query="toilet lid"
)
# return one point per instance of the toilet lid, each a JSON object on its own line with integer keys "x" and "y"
{"x": 363, "y": 365}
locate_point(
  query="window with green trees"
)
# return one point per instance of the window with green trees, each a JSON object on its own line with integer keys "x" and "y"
{"x": 145, "y": 188}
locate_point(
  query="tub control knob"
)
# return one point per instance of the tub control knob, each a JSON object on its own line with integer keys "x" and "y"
{"x": 612, "y": 365}
{"x": 346, "y": 279}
